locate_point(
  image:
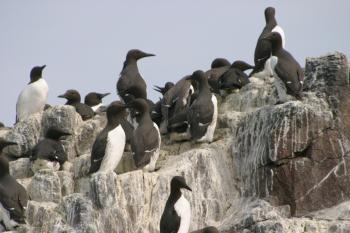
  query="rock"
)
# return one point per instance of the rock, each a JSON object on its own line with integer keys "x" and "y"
{"x": 78, "y": 213}
{"x": 103, "y": 189}
{"x": 26, "y": 133}
{"x": 21, "y": 168}
{"x": 67, "y": 182}
{"x": 40, "y": 213}
{"x": 45, "y": 186}
{"x": 81, "y": 165}
{"x": 87, "y": 134}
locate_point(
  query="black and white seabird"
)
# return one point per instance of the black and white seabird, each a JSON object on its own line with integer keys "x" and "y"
{"x": 176, "y": 100}
{"x": 287, "y": 68}
{"x": 108, "y": 147}
{"x": 13, "y": 197}
{"x": 73, "y": 98}
{"x": 156, "y": 113}
{"x": 263, "y": 47}
{"x": 130, "y": 81}
{"x": 176, "y": 216}
{"x": 234, "y": 77}
{"x": 34, "y": 96}
{"x": 145, "y": 143}
{"x": 203, "y": 112}
{"x": 49, "y": 152}
{"x": 94, "y": 100}
{"x": 218, "y": 67}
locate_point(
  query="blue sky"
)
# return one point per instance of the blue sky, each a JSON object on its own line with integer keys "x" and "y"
{"x": 84, "y": 42}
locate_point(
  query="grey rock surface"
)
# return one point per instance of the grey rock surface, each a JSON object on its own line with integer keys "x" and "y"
{"x": 271, "y": 168}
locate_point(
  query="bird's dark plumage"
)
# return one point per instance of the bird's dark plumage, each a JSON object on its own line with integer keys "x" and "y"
{"x": 234, "y": 77}
{"x": 263, "y": 47}
{"x": 170, "y": 220}
{"x": 218, "y": 67}
{"x": 73, "y": 99}
{"x": 287, "y": 68}
{"x": 50, "y": 148}
{"x": 200, "y": 114}
{"x": 175, "y": 100}
{"x": 130, "y": 81}
{"x": 13, "y": 196}
{"x": 146, "y": 139}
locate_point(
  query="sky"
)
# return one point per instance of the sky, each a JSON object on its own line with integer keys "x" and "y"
{"x": 84, "y": 42}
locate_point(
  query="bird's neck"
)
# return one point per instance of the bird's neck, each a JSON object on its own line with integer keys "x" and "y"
{"x": 129, "y": 62}
{"x": 71, "y": 102}
{"x": 113, "y": 122}
{"x": 175, "y": 194}
{"x": 276, "y": 47}
{"x": 144, "y": 118}
{"x": 203, "y": 86}
{"x": 271, "y": 22}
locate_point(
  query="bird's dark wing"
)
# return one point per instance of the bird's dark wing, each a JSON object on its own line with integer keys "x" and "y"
{"x": 11, "y": 202}
{"x": 289, "y": 75}
{"x": 85, "y": 111}
{"x": 170, "y": 221}
{"x": 143, "y": 144}
{"x": 128, "y": 129}
{"x": 199, "y": 117}
{"x": 98, "y": 150}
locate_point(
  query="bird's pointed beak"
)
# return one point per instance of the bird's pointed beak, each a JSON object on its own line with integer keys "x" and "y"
{"x": 157, "y": 88}
{"x": 66, "y": 134}
{"x": 149, "y": 55}
{"x": 104, "y": 95}
{"x": 11, "y": 143}
{"x": 62, "y": 96}
{"x": 187, "y": 187}
{"x": 43, "y": 67}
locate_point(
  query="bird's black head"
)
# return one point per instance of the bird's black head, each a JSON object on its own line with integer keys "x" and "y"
{"x": 177, "y": 183}
{"x": 94, "y": 98}
{"x": 115, "y": 111}
{"x": 36, "y": 73}
{"x": 198, "y": 76}
{"x": 269, "y": 14}
{"x": 233, "y": 79}
{"x": 164, "y": 89}
{"x": 136, "y": 54}
{"x": 55, "y": 133}
{"x": 72, "y": 96}
{"x": 139, "y": 105}
{"x": 219, "y": 62}
{"x": 275, "y": 39}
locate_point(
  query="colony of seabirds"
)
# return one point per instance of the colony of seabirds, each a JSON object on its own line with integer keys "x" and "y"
{"x": 187, "y": 107}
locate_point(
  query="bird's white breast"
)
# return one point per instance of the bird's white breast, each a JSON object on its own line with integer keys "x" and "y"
{"x": 96, "y": 107}
{"x": 183, "y": 210}
{"x": 32, "y": 99}
{"x": 281, "y": 32}
{"x": 114, "y": 149}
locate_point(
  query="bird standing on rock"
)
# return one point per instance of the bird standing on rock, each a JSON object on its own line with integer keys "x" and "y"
{"x": 287, "y": 68}
{"x": 13, "y": 196}
{"x": 218, "y": 67}
{"x": 73, "y": 98}
{"x": 263, "y": 48}
{"x": 34, "y": 96}
{"x": 49, "y": 152}
{"x": 146, "y": 140}
{"x": 130, "y": 81}
{"x": 108, "y": 147}
{"x": 203, "y": 112}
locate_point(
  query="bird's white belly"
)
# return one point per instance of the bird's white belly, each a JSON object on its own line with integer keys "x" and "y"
{"x": 183, "y": 210}
{"x": 114, "y": 149}
{"x": 32, "y": 99}
{"x": 5, "y": 218}
{"x": 96, "y": 107}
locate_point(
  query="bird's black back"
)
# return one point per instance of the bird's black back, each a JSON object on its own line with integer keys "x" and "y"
{"x": 49, "y": 149}
{"x": 84, "y": 111}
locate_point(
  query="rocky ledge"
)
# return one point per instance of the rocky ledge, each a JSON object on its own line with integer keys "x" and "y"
{"x": 272, "y": 167}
